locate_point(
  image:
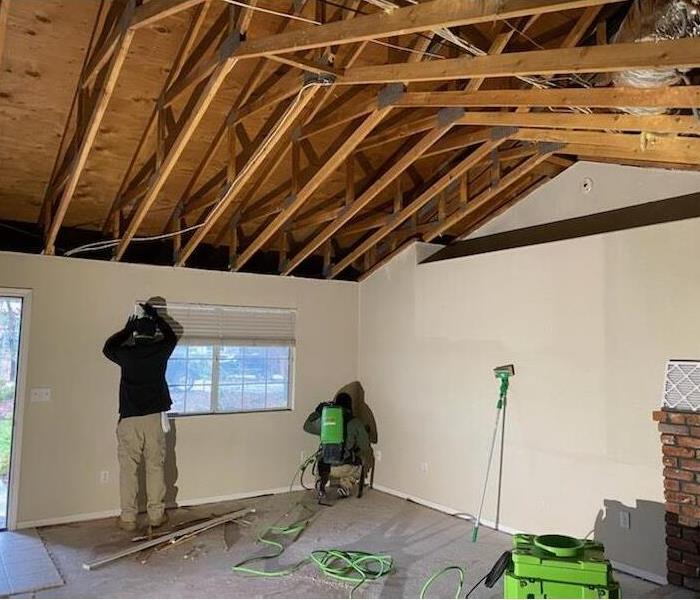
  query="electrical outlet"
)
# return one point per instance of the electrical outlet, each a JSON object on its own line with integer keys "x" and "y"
{"x": 424, "y": 467}
{"x": 104, "y": 476}
{"x": 378, "y": 455}
{"x": 40, "y": 394}
{"x": 624, "y": 519}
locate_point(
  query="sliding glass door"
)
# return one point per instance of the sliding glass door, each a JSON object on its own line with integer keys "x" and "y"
{"x": 10, "y": 327}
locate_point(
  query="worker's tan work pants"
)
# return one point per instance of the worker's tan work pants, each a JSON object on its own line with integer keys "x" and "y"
{"x": 346, "y": 475}
{"x": 141, "y": 438}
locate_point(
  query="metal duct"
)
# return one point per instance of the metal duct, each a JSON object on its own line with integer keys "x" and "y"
{"x": 651, "y": 21}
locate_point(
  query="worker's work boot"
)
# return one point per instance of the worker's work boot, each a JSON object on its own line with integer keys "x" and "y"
{"x": 156, "y": 523}
{"x": 126, "y": 525}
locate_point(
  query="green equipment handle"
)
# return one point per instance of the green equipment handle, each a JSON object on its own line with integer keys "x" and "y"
{"x": 505, "y": 381}
{"x": 503, "y": 393}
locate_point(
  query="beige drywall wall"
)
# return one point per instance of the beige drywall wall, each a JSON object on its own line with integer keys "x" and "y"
{"x": 589, "y": 324}
{"x": 565, "y": 197}
{"x": 76, "y": 304}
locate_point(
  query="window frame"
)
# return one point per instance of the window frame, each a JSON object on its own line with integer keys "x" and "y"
{"x": 214, "y": 398}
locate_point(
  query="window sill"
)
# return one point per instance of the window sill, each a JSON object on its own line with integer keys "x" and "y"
{"x": 232, "y": 412}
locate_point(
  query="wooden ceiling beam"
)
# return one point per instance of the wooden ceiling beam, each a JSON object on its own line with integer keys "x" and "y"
{"x": 684, "y": 150}
{"x": 485, "y": 197}
{"x": 4, "y": 16}
{"x": 310, "y": 66}
{"x": 254, "y": 82}
{"x": 608, "y": 97}
{"x": 187, "y": 128}
{"x": 155, "y": 10}
{"x": 680, "y": 53}
{"x": 399, "y": 166}
{"x": 438, "y": 124}
{"x": 248, "y": 171}
{"x": 197, "y": 67}
{"x": 411, "y": 19}
{"x": 400, "y": 131}
{"x": 88, "y": 135}
{"x": 193, "y": 114}
{"x": 439, "y": 184}
{"x": 298, "y": 142}
{"x": 288, "y": 85}
{"x": 583, "y": 24}
{"x": 405, "y": 157}
{"x": 563, "y": 120}
{"x": 409, "y": 127}
{"x": 60, "y": 171}
{"x": 335, "y": 120}
{"x": 518, "y": 192}
{"x": 295, "y": 203}
{"x": 196, "y": 22}
{"x": 388, "y": 257}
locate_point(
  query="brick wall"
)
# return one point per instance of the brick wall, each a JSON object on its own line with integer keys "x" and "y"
{"x": 680, "y": 439}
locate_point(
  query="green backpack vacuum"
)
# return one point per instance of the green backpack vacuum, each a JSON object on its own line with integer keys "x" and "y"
{"x": 332, "y": 434}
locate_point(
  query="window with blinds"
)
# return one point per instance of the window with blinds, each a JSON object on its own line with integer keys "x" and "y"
{"x": 230, "y": 358}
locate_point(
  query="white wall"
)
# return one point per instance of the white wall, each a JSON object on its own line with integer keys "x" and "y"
{"x": 588, "y": 323}
{"x": 76, "y": 304}
{"x": 613, "y": 186}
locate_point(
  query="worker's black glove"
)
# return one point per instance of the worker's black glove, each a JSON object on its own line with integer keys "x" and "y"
{"x": 149, "y": 310}
{"x": 130, "y": 326}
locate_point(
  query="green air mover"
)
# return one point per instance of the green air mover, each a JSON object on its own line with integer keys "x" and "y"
{"x": 558, "y": 566}
{"x": 332, "y": 434}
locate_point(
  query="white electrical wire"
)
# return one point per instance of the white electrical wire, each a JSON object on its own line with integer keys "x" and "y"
{"x": 104, "y": 244}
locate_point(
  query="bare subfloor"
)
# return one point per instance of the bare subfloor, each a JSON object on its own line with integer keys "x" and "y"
{"x": 419, "y": 539}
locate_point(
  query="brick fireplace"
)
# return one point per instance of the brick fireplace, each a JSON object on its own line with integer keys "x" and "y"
{"x": 680, "y": 438}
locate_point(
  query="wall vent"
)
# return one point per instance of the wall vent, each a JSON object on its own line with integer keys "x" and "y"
{"x": 682, "y": 385}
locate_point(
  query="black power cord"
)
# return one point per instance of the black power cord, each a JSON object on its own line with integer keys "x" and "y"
{"x": 496, "y": 572}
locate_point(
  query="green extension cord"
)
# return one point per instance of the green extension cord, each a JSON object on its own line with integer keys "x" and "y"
{"x": 438, "y": 574}
{"x": 350, "y": 566}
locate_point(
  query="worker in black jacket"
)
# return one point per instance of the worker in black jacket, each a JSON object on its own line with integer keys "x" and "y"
{"x": 144, "y": 400}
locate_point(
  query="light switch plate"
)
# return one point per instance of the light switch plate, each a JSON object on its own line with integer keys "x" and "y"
{"x": 624, "y": 519}
{"x": 40, "y": 394}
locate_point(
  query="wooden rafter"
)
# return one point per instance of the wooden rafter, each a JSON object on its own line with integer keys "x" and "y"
{"x": 89, "y": 134}
{"x": 156, "y": 117}
{"x": 155, "y": 10}
{"x": 398, "y": 167}
{"x": 496, "y": 47}
{"x": 312, "y": 185}
{"x": 680, "y": 53}
{"x": 487, "y": 196}
{"x": 609, "y": 97}
{"x": 4, "y": 16}
{"x": 361, "y": 28}
{"x": 439, "y": 157}
{"x": 248, "y": 171}
{"x": 411, "y": 19}
{"x": 438, "y": 186}
{"x": 274, "y": 157}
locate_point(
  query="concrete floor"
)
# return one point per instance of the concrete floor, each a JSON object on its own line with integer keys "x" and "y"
{"x": 419, "y": 539}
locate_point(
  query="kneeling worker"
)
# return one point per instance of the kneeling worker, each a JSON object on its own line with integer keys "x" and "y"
{"x": 347, "y": 447}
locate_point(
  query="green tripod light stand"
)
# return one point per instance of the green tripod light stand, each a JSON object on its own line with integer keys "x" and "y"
{"x": 503, "y": 374}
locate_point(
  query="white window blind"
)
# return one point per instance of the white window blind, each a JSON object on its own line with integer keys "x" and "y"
{"x": 244, "y": 325}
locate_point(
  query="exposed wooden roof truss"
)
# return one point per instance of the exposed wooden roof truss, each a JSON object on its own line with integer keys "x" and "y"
{"x": 328, "y": 132}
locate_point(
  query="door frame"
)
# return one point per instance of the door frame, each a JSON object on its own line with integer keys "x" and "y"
{"x": 20, "y": 397}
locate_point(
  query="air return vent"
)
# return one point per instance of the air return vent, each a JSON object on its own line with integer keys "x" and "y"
{"x": 682, "y": 385}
